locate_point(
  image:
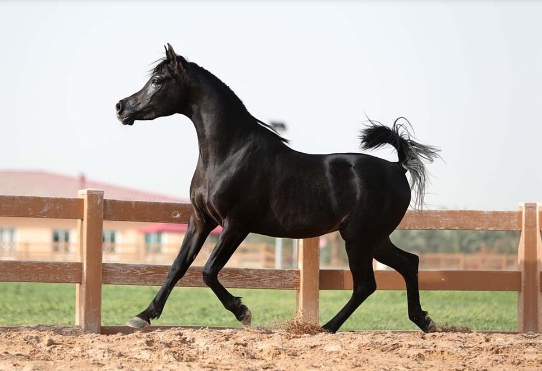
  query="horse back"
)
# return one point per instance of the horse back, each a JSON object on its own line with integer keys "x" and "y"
{"x": 310, "y": 195}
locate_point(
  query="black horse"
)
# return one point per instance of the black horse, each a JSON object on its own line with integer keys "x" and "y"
{"x": 248, "y": 180}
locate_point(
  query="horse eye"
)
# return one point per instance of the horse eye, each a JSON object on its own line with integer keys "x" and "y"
{"x": 155, "y": 81}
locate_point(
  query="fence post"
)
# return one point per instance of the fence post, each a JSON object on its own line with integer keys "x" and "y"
{"x": 89, "y": 292}
{"x": 308, "y": 263}
{"x": 529, "y": 300}
{"x": 539, "y": 260}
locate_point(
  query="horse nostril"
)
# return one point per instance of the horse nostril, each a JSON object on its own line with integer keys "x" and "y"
{"x": 119, "y": 106}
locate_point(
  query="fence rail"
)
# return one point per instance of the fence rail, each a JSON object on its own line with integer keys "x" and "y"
{"x": 90, "y": 273}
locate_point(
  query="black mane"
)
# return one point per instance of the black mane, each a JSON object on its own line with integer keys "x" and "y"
{"x": 162, "y": 67}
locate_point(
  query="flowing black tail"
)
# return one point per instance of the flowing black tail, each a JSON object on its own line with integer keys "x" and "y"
{"x": 410, "y": 152}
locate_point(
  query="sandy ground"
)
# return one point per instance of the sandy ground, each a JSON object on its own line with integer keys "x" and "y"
{"x": 68, "y": 348}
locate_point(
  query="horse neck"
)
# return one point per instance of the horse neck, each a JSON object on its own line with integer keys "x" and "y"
{"x": 223, "y": 125}
{"x": 222, "y": 122}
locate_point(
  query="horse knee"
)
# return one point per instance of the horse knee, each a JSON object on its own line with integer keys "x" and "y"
{"x": 209, "y": 276}
{"x": 365, "y": 290}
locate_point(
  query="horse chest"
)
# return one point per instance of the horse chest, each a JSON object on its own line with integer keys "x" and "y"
{"x": 218, "y": 193}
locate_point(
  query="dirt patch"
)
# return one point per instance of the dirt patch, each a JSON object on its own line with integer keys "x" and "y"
{"x": 66, "y": 348}
{"x": 297, "y": 327}
{"x": 452, "y": 328}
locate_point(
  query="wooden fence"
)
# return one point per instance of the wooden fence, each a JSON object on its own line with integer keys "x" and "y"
{"x": 90, "y": 209}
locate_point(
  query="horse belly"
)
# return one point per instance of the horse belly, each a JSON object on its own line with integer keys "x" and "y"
{"x": 303, "y": 208}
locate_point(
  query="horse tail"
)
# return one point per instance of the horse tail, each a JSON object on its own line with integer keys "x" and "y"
{"x": 411, "y": 153}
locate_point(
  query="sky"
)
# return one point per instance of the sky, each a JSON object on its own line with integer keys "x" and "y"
{"x": 466, "y": 74}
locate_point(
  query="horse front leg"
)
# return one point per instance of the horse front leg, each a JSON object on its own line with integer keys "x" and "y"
{"x": 193, "y": 241}
{"x": 228, "y": 242}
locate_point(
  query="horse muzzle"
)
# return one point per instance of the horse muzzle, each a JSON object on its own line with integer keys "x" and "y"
{"x": 121, "y": 114}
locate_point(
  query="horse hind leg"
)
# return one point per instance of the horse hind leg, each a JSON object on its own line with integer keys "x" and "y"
{"x": 361, "y": 265}
{"x": 407, "y": 265}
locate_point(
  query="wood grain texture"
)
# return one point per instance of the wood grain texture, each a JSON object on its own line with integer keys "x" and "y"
{"x": 47, "y": 272}
{"x": 462, "y": 220}
{"x": 529, "y": 296}
{"x": 41, "y": 207}
{"x": 308, "y": 296}
{"x": 88, "y": 294}
{"x": 331, "y": 279}
{"x": 154, "y": 275}
{"x": 142, "y": 211}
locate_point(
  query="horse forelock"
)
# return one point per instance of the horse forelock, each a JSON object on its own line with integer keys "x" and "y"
{"x": 159, "y": 67}
{"x": 163, "y": 65}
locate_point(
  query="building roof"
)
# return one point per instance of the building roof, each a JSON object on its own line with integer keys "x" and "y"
{"x": 47, "y": 184}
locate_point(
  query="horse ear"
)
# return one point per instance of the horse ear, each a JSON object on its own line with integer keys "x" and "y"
{"x": 170, "y": 54}
{"x": 177, "y": 61}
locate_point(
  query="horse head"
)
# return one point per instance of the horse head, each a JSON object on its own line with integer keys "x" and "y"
{"x": 163, "y": 94}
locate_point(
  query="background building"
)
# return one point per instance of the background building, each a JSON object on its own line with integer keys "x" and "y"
{"x": 128, "y": 242}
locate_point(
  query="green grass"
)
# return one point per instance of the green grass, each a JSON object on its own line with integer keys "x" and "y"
{"x": 35, "y": 303}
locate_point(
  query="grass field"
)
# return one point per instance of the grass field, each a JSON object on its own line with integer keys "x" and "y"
{"x": 38, "y": 303}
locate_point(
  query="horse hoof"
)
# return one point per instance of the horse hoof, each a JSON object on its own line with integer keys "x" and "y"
{"x": 247, "y": 319}
{"x": 328, "y": 330}
{"x": 138, "y": 323}
{"x": 431, "y": 327}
